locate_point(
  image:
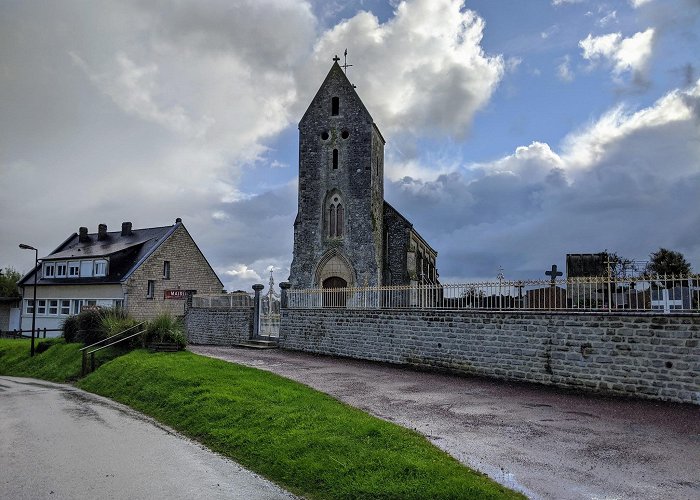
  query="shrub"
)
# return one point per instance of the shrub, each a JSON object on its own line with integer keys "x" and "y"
{"x": 91, "y": 330}
{"x": 46, "y": 344}
{"x": 71, "y": 327}
{"x": 166, "y": 328}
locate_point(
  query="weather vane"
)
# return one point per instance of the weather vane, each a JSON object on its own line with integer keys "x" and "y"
{"x": 345, "y": 65}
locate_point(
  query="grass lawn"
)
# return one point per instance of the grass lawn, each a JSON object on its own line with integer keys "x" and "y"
{"x": 302, "y": 439}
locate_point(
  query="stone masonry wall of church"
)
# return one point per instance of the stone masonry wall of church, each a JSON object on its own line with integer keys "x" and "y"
{"x": 352, "y": 179}
{"x": 397, "y": 234}
{"x": 646, "y": 356}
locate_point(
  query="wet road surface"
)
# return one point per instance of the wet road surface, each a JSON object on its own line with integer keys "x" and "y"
{"x": 544, "y": 442}
{"x": 58, "y": 442}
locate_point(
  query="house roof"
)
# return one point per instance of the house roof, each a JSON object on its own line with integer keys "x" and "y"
{"x": 126, "y": 253}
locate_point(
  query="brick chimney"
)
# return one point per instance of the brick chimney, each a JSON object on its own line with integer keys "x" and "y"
{"x": 83, "y": 235}
{"x": 102, "y": 232}
{"x": 126, "y": 228}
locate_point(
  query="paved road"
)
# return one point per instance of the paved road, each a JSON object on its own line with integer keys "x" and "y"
{"x": 58, "y": 442}
{"x": 544, "y": 442}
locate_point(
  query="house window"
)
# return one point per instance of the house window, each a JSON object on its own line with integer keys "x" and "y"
{"x": 85, "y": 268}
{"x": 61, "y": 269}
{"x": 119, "y": 303}
{"x": 29, "y": 306}
{"x": 335, "y": 159}
{"x": 100, "y": 268}
{"x": 76, "y": 305}
{"x": 151, "y": 289}
{"x": 74, "y": 269}
{"x": 53, "y": 307}
{"x": 335, "y": 218}
{"x": 41, "y": 306}
{"x": 65, "y": 307}
{"x": 49, "y": 270}
{"x": 166, "y": 269}
{"x": 335, "y": 106}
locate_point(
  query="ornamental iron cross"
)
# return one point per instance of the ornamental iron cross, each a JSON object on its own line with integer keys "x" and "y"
{"x": 553, "y": 274}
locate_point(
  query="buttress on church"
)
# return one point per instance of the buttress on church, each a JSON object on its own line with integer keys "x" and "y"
{"x": 345, "y": 233}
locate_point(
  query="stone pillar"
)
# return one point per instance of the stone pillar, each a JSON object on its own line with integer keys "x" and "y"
{"x": 256, "y": 310}
{"x": 284, "y": 286}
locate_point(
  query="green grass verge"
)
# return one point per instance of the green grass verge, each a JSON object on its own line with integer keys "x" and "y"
{"x": 60, "y": 363}
{"x": 302, "y": 439}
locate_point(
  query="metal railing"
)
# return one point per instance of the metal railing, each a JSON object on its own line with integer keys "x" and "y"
{"x": 229, "y": 300}
{"x": 664, "y": 294}
{"x": 85, "y": 351}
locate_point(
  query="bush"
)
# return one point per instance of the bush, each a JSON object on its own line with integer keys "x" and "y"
{"x": 91, "y": 331}
{"x": 71, "y": 327}
{"x": 46, "y": 344}
{"x": 166, "y": 328}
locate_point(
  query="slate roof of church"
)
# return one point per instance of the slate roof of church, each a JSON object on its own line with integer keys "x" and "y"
{"x": 126, "y": 253}
{"x": 387, "y": 206}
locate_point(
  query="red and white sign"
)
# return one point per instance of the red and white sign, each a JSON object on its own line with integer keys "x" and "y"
{"x": 177, "y": 294}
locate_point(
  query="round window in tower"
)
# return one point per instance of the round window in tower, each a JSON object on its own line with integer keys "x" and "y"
{"x": 324, "y": 135}
{"x": 345, "y": 134}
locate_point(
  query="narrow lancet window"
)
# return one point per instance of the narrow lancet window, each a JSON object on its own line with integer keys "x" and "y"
{"x": 335, "y": 106}
{"x": 339, "y": 223}
{"x": 331, "y": 221}
{"x": 335, "y": 158}
{"x": 335, "y": 218}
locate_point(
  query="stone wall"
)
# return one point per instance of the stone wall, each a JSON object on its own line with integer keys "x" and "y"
{"x": 219, "y": 326}
{"x": 189, "y": 270}
{"x": 649, "y": 356}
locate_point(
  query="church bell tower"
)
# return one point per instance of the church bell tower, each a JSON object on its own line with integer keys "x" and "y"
{"x": 339, "y": 224}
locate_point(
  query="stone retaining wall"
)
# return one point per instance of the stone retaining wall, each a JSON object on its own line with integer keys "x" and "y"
{"x": 219, "y": 326}
{"x": 649, "y": 356}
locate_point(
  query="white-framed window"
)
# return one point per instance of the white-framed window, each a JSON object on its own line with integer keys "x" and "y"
{"x": 41, "y": 306}
{"x": 85, "y": 268}
{"x": 61, "y": 269}
{"x": 65, "y": 307}
{"x": 118, "y": 303}
{"x": 49, "y": 269}
{"x": 75, "y": 306}
{"x": 29, "y": 306}
{"x": 74, "y": 269}
{"x": 166, "y": 269}
{"x": 53, "y": 307}
{"x": 150, "y": 289}
{"x": 100, "y": 268}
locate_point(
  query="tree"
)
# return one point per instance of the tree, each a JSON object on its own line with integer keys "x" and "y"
{"x": 668, "y": 262}
{"x": 8, "y": 282}
{"x": 620, "y": 267}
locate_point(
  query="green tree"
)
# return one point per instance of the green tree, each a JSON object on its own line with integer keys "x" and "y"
{"x": 8, "y": 282}
{"x": 668, "y": 262}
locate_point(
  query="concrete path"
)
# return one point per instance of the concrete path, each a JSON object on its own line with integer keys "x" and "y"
{"x": 59, "y": 442}
{"x": 544, "y": 442}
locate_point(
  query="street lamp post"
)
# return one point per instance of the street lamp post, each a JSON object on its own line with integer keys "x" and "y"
{"x": 36, "y": 271}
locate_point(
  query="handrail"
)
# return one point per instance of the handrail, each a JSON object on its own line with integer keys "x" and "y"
{"x": 92, "y": 353}
{"x": 111, "y": 336}
{"x": 85, "y": 353}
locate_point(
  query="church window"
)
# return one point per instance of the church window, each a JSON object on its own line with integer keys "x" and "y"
{"x": 335, "y": 106}
{"x": 335, "y": 218}
{"x": 335, "y": 158}
{"x": 345, "y": 134}
{"x": 324, "y": 135}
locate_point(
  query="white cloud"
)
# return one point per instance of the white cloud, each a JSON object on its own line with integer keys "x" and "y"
{"x": 241, "y": 272}
{"x": 422, "y": 71}
{"x": 564, "y": 70}
{"x": 638, "y": 3}
{"x": 624, "y": 54}
{"x": 564, "y": 2}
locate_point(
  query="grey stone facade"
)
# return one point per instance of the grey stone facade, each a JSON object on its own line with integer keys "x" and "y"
{"x": 648, "y": 356}
{"x": 225, "y": 326}
{"x": 341, "y": 185}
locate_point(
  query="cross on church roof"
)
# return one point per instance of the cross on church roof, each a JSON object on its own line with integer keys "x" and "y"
{"x": 336, "y": 58}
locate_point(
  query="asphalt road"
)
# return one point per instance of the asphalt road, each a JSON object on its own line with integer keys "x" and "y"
{"x": 58, "y": 442}
{"x": 544, "y": 442}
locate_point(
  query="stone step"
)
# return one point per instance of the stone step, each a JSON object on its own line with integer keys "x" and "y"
{"x": 258, "y": 344}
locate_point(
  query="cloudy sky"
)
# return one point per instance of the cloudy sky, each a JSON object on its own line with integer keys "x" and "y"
{"x": 516, "y": 131}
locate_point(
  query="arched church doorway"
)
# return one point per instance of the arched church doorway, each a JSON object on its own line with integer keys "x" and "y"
{"x": 333, "y": 298}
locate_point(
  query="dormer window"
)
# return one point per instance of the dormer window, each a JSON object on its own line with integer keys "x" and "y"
{"x": 335, "y": 106}
{"x": 61, "y": 269}
{"x": 49, "y": 269}
{"x": 100, "y": 268}
{"x": 74, "y": 269}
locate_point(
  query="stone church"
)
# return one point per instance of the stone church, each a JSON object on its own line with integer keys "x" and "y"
{"x": 345, "y": 234}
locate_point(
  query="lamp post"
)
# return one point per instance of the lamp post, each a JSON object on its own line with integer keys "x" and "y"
{"x": 36, "y": 271}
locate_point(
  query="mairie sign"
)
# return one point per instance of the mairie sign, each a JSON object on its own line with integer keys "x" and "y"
{"x": 177, "y": 294}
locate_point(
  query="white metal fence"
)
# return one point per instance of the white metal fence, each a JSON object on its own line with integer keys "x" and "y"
{"x": 652, "y": 293}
